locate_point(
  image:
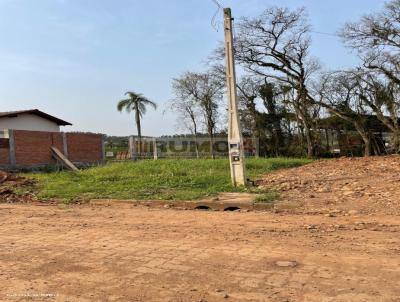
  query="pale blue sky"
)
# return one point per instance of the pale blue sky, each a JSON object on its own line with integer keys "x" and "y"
{"x": 76, "y": 58}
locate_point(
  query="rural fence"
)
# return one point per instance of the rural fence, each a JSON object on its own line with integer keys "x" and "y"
{"x": 179, "y": 148}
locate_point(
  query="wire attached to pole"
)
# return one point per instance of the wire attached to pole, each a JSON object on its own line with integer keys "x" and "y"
{"x": 217, "y": 4}
{"x": 214, "y": 22}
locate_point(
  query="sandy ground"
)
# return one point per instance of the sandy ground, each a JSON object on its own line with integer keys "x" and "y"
{"x": 368, "y": 185}
{"x": 341, "y": 243}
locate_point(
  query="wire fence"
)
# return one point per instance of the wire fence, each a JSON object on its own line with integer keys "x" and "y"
{"x": 179, "y": 148}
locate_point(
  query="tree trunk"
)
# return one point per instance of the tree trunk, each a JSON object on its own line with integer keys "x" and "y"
{"x": 211, "y": 134}
{"x": 308, "y": 135}
{"x": 196, "y": 146}
{"x": 396, "y": 140}
{"x": 358, "y": 125}
{"x": 367, "y": 148}
{"x": 255, "y": 136}
{"x": 365, "y": 137}
{"x": 375, "y": 145}
{"x": 395, "y": 131}
{"x": 327, "y": 140}
{"x": 348, "y": 150}
{"x": 210, "y": 130}
{"x": 139, "y": 128}
{"x": 212, "y": 147}
{"x": 390, "y": 123}
{"x": 310, "y": 145}
{"x": 195, "y": 136}
{"x": 255, "y": 129}
{"x": 301, "y": 136}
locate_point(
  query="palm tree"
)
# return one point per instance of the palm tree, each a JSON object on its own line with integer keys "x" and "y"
{"x": 137, "y": 103}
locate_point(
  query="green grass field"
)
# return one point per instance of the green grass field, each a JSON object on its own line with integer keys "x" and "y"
{"x": 151, "y": 180}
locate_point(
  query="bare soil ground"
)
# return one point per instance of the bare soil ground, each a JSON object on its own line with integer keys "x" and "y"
{"x": 366, "y": 185}
{"x": 335, "y": 236}
{"x": 10, "y": 183}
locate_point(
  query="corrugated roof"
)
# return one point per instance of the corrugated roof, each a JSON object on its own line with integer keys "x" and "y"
{"x": 37, "y": 112}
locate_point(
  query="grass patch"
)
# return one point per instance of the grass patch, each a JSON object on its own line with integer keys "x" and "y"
{"x": 269, "y": 197}
{"x": 151, "y": 180}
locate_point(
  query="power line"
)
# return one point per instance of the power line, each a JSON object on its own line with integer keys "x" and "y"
{"x": 324, "y": 33}
{"x": 214, "y": 21}
{"x": 215, "y": 24}
{"x": 217, "y": 4}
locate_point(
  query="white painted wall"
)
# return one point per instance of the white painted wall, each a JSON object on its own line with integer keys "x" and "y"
{"x": 29, "y": 122}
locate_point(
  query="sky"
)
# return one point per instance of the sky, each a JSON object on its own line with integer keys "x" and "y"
{"x": 76, "y": 58}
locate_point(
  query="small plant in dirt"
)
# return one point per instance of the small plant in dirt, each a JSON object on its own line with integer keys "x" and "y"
{"x": 269, "y": 197}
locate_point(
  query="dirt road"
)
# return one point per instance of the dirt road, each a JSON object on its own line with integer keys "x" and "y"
{"x": 320, "y": 251}
{"x": 137, "y": 254}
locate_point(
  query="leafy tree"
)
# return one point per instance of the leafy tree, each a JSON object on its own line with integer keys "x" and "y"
{"x": 137, "y": 104}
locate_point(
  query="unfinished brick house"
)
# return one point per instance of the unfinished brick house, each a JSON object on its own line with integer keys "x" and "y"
{"x": 29, "y": 138}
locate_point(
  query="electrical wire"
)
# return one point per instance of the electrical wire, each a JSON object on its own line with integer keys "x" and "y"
{"x": 214, "y": 21}
{"x": 215, "y": 24}
{"x": 217, "y": 4}
{"x": 323, "y": 33}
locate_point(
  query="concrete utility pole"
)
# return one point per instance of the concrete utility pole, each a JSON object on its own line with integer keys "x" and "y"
{"x": 132, "y": 147}
{"x": 155, "y": 150}
{"x": 235, "y": 140}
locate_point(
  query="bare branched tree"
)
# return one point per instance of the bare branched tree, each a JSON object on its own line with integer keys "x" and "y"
{"x": 188, "y": 113}
{"x": 276, "y": 45}
{"x": 206, "y": 91}
{"x": 376, "y": 38}
{"x": 248, "y": 93}
{"x": 339, "y": 94}
{"x": 382, "y": 97}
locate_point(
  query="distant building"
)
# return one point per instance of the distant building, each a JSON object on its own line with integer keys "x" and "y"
{"x": 340, "y": 137}
{"x": 32, "y": 120}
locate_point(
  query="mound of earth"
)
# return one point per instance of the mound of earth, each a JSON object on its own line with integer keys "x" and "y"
{"x": 15, "y": 188}
{"x": 341, "y": 186}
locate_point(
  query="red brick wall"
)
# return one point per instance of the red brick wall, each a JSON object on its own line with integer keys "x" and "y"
{"x": 83, "y": 147}
{"x": 33, "y": 147}
{"x": 4, "y": 151}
